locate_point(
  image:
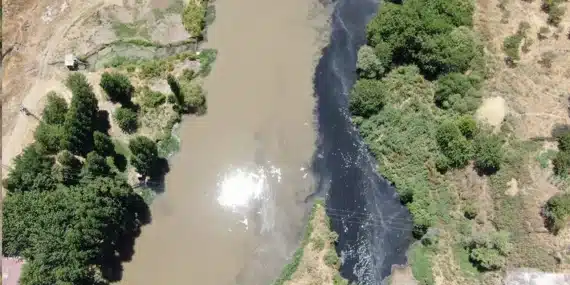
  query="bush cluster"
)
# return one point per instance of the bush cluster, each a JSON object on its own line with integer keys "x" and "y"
{"x": 193, "y": 17}
{"x": 557, "y": 212}
{"x": 562, "y": 160}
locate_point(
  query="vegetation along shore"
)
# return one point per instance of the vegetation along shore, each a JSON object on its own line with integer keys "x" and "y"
{"x": 77, "y": 196}
{"x": 423, "y": 74}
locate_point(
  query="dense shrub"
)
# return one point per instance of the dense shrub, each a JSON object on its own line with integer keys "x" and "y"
{"x": 194, "y": 98}
{"x": 49, "y": 137}
{"x": 453, "y": 145}
{"x": 488, "y": 153}
{"x": 55, "y": 109}
{"x": 188, "y": 74}
{"x": 366, "y": 97}
{"x": 452, "y": 89}
{"x": 79, "y": 120}
{"x": 150, "y": 98}
{"x": 206, "y": 59}
{"x": 368, "y": 64}
{"x": 489, "y": 251}
{"x": 144, "y": 155}
{"x": 32, "y": 171}
{"x": 117, "y": 86}
{"x": 102, "y": 144}
{"x": 564, "y": 141}
{"x": 561, "y": 163}
{"x": 467, "y": 125}
{"x": 557, "y": 212}
{"x": 126, "y": 118}
{"x": 404, "y": 83}
{"x": 193, "y": 17}
{"x": 511, "y": 46}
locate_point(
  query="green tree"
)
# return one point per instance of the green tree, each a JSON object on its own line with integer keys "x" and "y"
{"x": 467, "y": 125}
{"x": 557, "y": 212}
{"x": 103, "y": 144}
{"x": 65, "y": 234}
{"x": 144, "y": 155}
{"x": 55, "y": 109}
{"x": 117, "y": 86}
{"x": 367, "y": 64}
{"x": 96, "y": 165}
{"x": 383, "y": 52}
{"x": 79, "y": 120}
{"x": 367, "y": 97}
{"x": 453, "y": 144}
{"x": 68, "y": 168}
{"x": 49, "y": 137}
{"x": 126, "y": 119}
{"x": 31, "y": 171}
{"x": 452, "y": 52}
{"x": 450, "y": 85}
{"x": 488, "y": 153}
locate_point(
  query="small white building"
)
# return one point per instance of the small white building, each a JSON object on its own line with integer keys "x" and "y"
{"x": 70, "y": 61}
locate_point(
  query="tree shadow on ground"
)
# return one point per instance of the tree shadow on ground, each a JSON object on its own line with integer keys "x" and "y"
{"x": 560, "y": 129}
{"x": 102, "y": 122}
{"x": 123, "y": 249}
{"x": 120, "y": 162}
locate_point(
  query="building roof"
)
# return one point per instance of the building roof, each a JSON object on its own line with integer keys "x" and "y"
{"x": 69, "y": 59}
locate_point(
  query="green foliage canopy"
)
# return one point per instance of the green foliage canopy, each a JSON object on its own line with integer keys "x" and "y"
{"x": 31, "y": 171}
{"x": 366, "y": 97}
{"x": 103, "y": 144}
{"x": 144, "y": 155}
{"x": 117, "y": 86}
{"x": 55, "y": 109}
{"x": 79, "y": 120}
{"x": 127, "y": 120}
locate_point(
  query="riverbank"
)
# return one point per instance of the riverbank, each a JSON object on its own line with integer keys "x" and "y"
{"x": 448, "y": 118}
{"x": 316, "y": 260}
{"x": 100, "y": 134}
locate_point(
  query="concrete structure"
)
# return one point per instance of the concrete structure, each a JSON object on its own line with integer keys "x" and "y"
{"x": 11, "y": 270}
{"x": 70, "y": 61}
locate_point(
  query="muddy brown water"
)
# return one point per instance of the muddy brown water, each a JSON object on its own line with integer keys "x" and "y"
{"x": 234, "y": 208}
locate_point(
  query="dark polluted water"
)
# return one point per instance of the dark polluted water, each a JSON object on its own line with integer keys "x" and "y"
{"x": 374, "y": 228}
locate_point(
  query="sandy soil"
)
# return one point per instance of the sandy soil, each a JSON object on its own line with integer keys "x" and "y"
{"x": 250, "y": 151}
{"x": 492, "y": 111}
{"x": 39, "y": 33}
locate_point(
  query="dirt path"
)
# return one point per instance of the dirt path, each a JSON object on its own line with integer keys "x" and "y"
{"x": 234, "y": 204}
{"x": 29, "y": 77}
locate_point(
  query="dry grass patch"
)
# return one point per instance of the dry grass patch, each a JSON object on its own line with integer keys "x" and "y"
{"x": 316, "y": 263}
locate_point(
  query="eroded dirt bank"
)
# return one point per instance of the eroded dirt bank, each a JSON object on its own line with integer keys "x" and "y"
{"x": 234, "y": 202}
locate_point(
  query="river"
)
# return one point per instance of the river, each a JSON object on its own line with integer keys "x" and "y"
{"x": 374, "y": 228}
{"x": 234, "y": 203}
{"x": 239, "y": 191}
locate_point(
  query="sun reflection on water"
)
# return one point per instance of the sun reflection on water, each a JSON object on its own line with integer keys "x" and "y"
{"x": 241, "y": 186}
